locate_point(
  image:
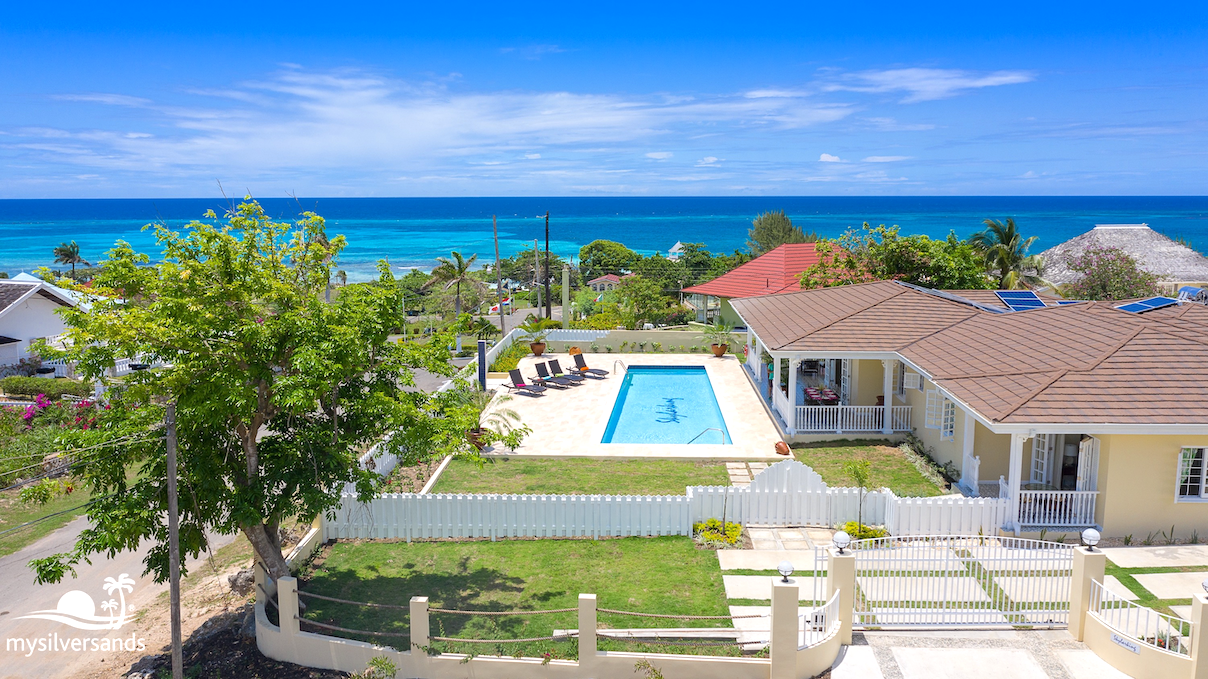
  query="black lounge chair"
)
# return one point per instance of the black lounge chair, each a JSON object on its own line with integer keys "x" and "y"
{"x": 557, "y": 381}
{"x": 581, "y": 367}
{"x": 557, "y": 371}
{"x": 518, "y": 384}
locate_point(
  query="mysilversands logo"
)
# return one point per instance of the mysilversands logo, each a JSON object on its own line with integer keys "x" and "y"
{"x": 77, "y": 609}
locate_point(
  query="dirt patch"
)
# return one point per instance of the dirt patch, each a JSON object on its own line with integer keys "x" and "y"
{"x": 410, "y": 479}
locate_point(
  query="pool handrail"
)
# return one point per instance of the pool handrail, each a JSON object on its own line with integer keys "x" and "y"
{"x": 708, "y": 429}
{"x": 614, "y": 365}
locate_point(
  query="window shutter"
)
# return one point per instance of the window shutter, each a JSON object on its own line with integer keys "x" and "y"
{"x": 932, "y": 419}
{"x": 913, "y": 381}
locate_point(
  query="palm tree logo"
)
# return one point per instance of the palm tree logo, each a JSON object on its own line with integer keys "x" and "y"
{"x": 110, "y": 606}
{"x": 122, "y": 584}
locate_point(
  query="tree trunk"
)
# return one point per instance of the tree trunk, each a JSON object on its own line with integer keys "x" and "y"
{"x": 457, "y": 313}
{"x": 267, "y": 545}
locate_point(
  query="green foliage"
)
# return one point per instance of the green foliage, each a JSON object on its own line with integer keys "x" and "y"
{"x": 649, "y": 670}
{"x": 1005, "y": 252}
{"x": 710, "y": 532}
{"x": 719, "y": 333}
{"x": 509, "y": 358}
{"x": 276, "y": 391}
{"x": 53, "y": 389}
{"x": 881, "y": 253}
{"x": 1108, "y": 274}
{"x": 602, "y": 257}
{"x": 536, "y": 329}
{"x": 642, "y": 301}
{"x": 860, "y": 531}
{"x": 770, "y": 230}
{"x": 496, "y": 425}
{"x": 39, "y": 493}
{"x": 520, "y": 268}
{"x": 380, "y": 667}
{"x": 69, "y": 253}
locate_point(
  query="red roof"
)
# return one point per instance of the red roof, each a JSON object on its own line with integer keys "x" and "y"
{"x": 773, "y": 272}
{"x": 606, "y": 278}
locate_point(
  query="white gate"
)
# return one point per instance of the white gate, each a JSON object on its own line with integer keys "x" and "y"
{"x": 954, "y": 581}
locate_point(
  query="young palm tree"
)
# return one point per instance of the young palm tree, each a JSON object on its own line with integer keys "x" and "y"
{"x": 1006, "y": 253}
{"x": 454, "y": 273}
{"x": 69, "y": 253}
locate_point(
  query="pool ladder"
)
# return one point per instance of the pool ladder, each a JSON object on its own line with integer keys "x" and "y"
{"x": 709, "y": 429}
{"x": 622, "y": 363}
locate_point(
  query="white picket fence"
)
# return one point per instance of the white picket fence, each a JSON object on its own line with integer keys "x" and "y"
{"x": 788, "y": 493}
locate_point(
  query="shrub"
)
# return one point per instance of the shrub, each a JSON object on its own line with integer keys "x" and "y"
{"x": 595, "y": 348}
{"x": 859, "y": 531}
{"x": 53, "y": 389}
{"x": 509, "y": 358}
{"x": 710, "y": 533}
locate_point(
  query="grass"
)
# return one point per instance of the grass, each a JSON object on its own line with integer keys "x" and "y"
{"x": 13, "y": 512}
{"x": 890, "y": 468}
{"x": 1145, "y": 597}
{"x": 580, "y": 475}
{"x": 667, "y": 575}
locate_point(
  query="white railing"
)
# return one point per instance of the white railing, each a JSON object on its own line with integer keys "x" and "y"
{"x": 1135, "y": 622}
{"x": 841, "y": 419}
{"x": 573, "y": 335}
{"x": 61, "y": 366}
{"x": 1074, "y": 508}
{"x": 780, "y": 401}
{"x": 818, "y": 625}
{"x": 970, "y": 469}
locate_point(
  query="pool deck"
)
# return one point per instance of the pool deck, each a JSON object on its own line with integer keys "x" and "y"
{"x": 571, "y": 422}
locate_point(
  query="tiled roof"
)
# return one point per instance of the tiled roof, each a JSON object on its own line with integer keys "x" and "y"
{"x": 1083, "y": 363}
{"x": 606, "y": 278}
{"x": 11, "y": 292}
{"x": 768, "y": 274}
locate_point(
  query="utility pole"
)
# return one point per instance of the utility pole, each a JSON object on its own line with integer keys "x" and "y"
{"x": 549, "y": 307}
{"x": 537, "y": 273}
{"x": 503, "y": 329}
{"x": 174, "y": 545}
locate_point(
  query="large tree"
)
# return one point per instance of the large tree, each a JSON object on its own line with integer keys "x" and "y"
{"x": 881, "y": 253}
{"x": 1006, "y": 253}
{"x": 601, "y": 257}
{"x": 1107, "y": 274}
{"x": 770, "y": 230}
{"x": 276, "y": 391}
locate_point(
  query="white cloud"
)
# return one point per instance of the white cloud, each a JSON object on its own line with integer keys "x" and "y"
{"x": 926, "y": 84}
{"x": 659, "y": 155}
{"x": 773, "y": 93}
{"x": 532, "y": 156}
{"x": 707, "y": 161}
{"x": 828, "y": 158}
{"x": 885, "y": 159}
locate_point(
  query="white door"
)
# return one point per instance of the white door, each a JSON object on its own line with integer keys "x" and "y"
{"x": 1042, "y": 458}
{"x": 1088, "y": 464}
{"x": 845, "y": 388}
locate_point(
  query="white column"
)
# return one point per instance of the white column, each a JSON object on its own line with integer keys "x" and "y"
{"x": 967, "y": 452}
{"x": 776, "y": 383}
{"x": 791, "y": 420}
{"x": 750, "y": 349}
{"x": 587, "y": 632}
{"x": 887, "y": 387}
{"x": 1015, "y": 477}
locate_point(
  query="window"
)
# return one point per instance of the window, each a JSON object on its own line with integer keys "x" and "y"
{"x": 1191, "y": 476}
{"x": 912, "y": 381}
{"x": 934, "y": 412}
{"x": 948, "y": 423}
{"x": 899, "y": 382}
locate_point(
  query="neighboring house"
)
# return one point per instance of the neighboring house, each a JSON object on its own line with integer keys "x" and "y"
{"x": 27, "y": 313}
{"x": 604, "y": 283}
{"x": 773, "y": 272}
{"x": 1173, "y": 263}
{"x": 1081, "y": 413}
{"x": 676, "y": 251}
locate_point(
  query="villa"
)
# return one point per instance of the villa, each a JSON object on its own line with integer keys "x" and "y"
{"x": 27, "y": 313}
{"x": 1080, "y": 413}
{"x": 773, "y": 272}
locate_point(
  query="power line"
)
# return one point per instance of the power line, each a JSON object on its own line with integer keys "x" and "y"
{"x": 27, "y": 524}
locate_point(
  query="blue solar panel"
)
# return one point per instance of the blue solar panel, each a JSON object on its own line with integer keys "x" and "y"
{"x": 1147, "y": 304}
{"x": 1071, "y": 301}
{"x": 1019, "y": 300}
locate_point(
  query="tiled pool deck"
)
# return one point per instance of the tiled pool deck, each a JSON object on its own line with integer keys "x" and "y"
{"x": 571, "y": 422}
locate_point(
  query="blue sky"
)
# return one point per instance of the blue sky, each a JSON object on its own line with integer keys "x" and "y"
{"x": 350, "y": 99}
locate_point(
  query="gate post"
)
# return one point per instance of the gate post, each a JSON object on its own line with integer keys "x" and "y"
{"x": 1199, "y": 646}
{"x": 783, "y": 642}
{"x": 1088, "y": 566}
{"x": 841, "y": 577}
{"x": 419, "y": 635}
{"x": 587, "y": 632}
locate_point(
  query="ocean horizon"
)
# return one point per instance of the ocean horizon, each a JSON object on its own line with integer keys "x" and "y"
{"x": 412, "y": 232}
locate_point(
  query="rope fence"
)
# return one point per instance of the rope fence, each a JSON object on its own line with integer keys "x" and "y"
{"x": 660, "y": 642}
{"x": 556, "y": 637}
{"x": 353, "y": 631}
{"x": 685, "y": 617}
{"x": 455, "y": 612}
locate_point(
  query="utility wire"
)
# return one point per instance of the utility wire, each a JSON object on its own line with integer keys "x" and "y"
{"x": 27, "y": 524}
{"x": 103, "y": 444}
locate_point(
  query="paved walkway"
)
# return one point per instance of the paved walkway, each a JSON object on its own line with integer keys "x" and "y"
{"x": 1158, "y": 557}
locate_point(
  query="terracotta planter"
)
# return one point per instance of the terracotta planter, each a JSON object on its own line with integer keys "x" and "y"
{"x": 782, "y": 448}
{"x": 537, "y": 347}
{"x": 720, "y": 350}
{"x": 475, "y": 437}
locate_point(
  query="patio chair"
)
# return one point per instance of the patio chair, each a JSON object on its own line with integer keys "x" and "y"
{"x": 582, "y": 369}
{"x": 558, "y": 372}
{"x": 518, "y": 384}
{"x": 556, "y": 381}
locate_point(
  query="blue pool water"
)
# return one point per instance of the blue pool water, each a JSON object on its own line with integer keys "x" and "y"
{"x": 666, "y": 404}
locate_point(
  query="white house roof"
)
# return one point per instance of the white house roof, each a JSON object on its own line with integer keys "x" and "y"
{"x": 1167, "y": 259}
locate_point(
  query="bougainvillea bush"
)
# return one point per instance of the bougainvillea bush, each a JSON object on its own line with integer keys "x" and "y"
{"x": 1108, "y": 274}
{"x": 29, "y": 433}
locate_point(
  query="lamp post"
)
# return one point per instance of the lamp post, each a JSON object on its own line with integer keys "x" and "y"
{"x": 785, "y": 569}
{"x": 842, "y": 540}
{"x": 1090, "y": 538}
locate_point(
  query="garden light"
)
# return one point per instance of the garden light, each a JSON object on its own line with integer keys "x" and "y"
{"x": 842, "y": 540}
{"x": 1090, "y": 538}
{"x": 786, "y": 569}
{"x": 1204, "y": 584}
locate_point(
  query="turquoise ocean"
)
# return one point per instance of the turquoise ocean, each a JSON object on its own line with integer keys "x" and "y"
{"x": 412, "y": 232}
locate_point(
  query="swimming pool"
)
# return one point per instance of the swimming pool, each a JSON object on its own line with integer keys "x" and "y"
{"x": 666, "y": 404}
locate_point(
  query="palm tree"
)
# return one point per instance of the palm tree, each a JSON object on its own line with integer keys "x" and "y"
{"x": 454, "y": 273}
{"x": 69, "y": 253}
{"x": 122, "y": 584}
{"x": 1006, "y": 253}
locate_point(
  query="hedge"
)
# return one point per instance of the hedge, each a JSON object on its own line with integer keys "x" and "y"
{"x": 53, "y": 389}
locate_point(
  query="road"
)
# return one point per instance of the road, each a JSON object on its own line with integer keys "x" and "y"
{"x": 20, "y": 596}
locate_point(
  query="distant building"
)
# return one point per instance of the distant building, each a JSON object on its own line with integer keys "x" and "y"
{"x": 28, "y": 312}
{"x": 1173, "y": 263}
{"x": 773, "y": 272}
{"x": 676, "y": 251}
{"x": 604, "y": 283}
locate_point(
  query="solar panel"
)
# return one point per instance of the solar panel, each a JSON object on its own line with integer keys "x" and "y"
{"x": 1019, "y": 300}
{"x": 1071, "y": 301}
{"x": 1144, "y": 305}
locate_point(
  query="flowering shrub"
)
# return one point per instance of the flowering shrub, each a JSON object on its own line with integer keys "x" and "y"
{"x": 711, "y": 534}
{"x": 1108, "y": 274}
{"x": 859, "y": 531}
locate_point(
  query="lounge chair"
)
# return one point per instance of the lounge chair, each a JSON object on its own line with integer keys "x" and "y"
{"x": 557, "y": 371}
{"x": 518, "y": 384}
{"x": 581, "y": 367}
{"x": 557, "y": 381}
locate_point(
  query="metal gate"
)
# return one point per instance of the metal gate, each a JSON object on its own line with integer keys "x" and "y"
{"x": 952, "y": 581}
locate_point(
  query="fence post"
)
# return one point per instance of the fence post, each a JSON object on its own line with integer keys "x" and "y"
{"x": 783, "y": 641}
{"x": 1199, "y": 646}
{"x": 841, "y": 577}
{"x": 587, "y": 632}
{"x": 419, "y": 632}
{"x": 287, "y": 605}
{"x": 1088, "y": 566}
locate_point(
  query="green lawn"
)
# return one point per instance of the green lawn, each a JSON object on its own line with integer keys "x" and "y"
{"x": 653, "y": 575}
{"x": 1146, "y": 598}
{"x": 890, "y": 467}
{"x": 580, "y": 475}
{"x": 13, "y": 512}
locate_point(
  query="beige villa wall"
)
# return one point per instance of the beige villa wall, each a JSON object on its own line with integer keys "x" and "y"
{"x": 1137, "y": 487}
{"x": 866, "y": 382}
{"x": 942, "y": 451}
{"x": 995, "y": 452}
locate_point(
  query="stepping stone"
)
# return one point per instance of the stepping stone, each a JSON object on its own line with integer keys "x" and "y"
{"x": 1113, "y": 585}
{"x": 737, "y": 466}
{"x": 856, "y": 662}
{"x": 761, "y": 533}
{"x": 796, "y": 544}
{"x": 790, "y": 534}
{"x": 760, "y": 586}
{"x": 958, "y": 663}
{"x": 765, "y": 545}
{"x": 880, "y": 590}
{"x": 1173, "y": 585}
{"x": 1183, "y": 612}
{"x": 758, "y": 466}
{"x": 1084, "y": 664}
{"x": 1034, "y": 589}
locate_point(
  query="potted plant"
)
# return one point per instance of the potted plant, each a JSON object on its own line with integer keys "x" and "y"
{"x": 535, "y": 330}
{"x": 719, "y": 336}
{"x": 490, "y": 426}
